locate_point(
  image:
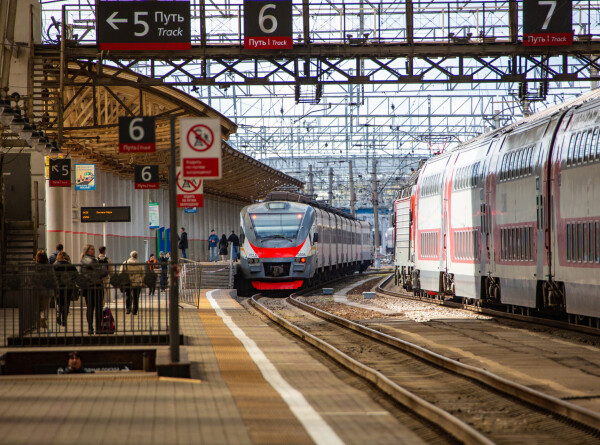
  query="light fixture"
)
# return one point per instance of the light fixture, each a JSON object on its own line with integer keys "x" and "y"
{"x": 17, "y": 122}
{"x": 6, "y": 112}
{"x": 26, "y": 132}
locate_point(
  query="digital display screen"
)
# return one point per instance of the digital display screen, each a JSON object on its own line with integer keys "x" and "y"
{"x": 105, "y": 214}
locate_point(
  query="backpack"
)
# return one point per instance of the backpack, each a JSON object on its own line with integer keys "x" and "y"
{"x": 108, "y": 322}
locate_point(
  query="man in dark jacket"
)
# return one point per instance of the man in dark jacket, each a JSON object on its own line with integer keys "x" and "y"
{"x": 235, "y": 245}
{"x": 52, "y": 259}
{"x": 213, "y": 240}
{"x": 183, "y": 243}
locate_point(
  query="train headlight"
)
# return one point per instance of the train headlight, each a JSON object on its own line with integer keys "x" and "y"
{"x": 301, "y": 260}
{"x": 253, "y": 260}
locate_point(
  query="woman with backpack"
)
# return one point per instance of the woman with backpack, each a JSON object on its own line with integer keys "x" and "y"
{"x": 136, "y": 272}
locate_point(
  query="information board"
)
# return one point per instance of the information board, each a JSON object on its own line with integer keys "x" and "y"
{"x": 547, "y": 22}
{"x": 105, "y": 214}
{"x": 268, "y": 24}
{"x": 143, "y": 25}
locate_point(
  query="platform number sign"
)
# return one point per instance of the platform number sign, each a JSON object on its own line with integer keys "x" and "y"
{"x": 137, "y": 135}
{"x": 143, "y": 25}
{"x": 60, "y": 173}
{"x": 268, "y": 24}
{"x": 547, "y": 22}
{"x": 146, "y": 177}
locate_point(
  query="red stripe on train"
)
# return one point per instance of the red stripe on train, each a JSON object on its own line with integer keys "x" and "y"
{"x": 277, "y": 252}
{"x": 262, "y": 285}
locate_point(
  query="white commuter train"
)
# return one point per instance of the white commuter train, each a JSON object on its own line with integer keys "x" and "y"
{"x": 511, "y": 216}
{"x": 290, "y": 240}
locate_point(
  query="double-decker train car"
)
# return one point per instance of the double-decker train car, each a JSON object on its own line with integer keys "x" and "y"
{"x": 510, "y": 216}
{"x": 290, "y": 240}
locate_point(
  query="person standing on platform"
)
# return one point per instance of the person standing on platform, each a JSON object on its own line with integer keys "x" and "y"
{"x": 107, "y": 265}
{"x": 213, "y": 240}
{"x": 136, "y": 275}
{"x": 235, "y": 245}
{"x": 183, "y": 243}
{"x": 66, "y": 275}
{"x": 163, "y": 262}
{"x": 223, "y": 248}
{"x": 45, "y": 286}
{"x": 150, "y": 277}
{"x": 91, "y": 283}
{"x": 59, "y": 248}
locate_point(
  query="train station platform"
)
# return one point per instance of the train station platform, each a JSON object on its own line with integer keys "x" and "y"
{"x": 251, "y": 384}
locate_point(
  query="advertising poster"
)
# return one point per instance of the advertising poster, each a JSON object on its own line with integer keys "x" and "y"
{"x": 85, "y": 177}
{"x": 153, "y": 215}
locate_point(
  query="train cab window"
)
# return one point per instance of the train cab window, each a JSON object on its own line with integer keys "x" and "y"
{"x": 530, "y": 160}
{"x": 503, "y": 166}
{"x": 522, "y": 162}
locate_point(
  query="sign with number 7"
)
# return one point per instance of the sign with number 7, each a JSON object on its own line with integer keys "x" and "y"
{"x": 547, "y": 22}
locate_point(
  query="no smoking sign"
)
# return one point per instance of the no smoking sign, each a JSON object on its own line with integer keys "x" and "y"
{"x": 200, "y": 148}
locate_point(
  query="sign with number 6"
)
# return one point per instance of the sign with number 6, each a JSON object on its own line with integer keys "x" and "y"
{"x": 137, "y": 134}
{"x": 268, "y": 24}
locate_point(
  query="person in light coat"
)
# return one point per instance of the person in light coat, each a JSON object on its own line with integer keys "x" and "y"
{"x": 136, "y": 271}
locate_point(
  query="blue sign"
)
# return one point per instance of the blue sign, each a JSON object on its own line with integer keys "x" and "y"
{"x": 191, "y": 210}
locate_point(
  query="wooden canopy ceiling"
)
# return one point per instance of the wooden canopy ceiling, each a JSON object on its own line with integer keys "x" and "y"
{"x": 92, "y": 107}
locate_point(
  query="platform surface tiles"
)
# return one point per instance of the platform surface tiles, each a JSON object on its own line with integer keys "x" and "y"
{"x": 251, "y": 384}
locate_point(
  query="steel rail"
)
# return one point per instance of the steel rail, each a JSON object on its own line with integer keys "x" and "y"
{"x": 452, "y": 425}
{"x": 573, "y": 412}
{"x": 488, "y": 311}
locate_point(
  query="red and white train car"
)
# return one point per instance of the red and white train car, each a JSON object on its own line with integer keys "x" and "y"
{"x": 510, "y": 216}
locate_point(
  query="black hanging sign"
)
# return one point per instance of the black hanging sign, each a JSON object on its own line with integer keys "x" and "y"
{"x": 137, "y": 135}
{"x": 547, "y": 22}
{"x": 60, "y": 173}
{"x": 268, "y": 24}
{"x": 146, "y": 177}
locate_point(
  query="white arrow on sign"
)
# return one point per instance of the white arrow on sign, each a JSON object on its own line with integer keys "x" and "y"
{"x": 113, "y": 19}
{"x": 55, "y": 168}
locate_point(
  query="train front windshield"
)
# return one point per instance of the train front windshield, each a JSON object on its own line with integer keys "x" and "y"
{"x": 276, "y": 225}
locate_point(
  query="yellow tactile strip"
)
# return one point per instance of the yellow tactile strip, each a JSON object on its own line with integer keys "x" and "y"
{"x": 268, "y": 418}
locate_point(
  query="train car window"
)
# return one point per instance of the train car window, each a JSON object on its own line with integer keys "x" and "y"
{"x": 568, "y": 242}
{"x": 580, "y": 149}
{"x": 579, "y": 243}
{"x": 519, "y": 244}
{"x": 595, "y": 135}
{"x": 591, "y": 242}
{"x": 531, "y": 243}
{"x": 597, "y": 243}
{"x": 509, "y": 245}
{"x": 530, "y": 160}
{"x": 585, "y": 242}
{"x": 573, "y": 242}
{"x": 588, "y": 147}
{"x": 570, "y": 148}
{"x": 520, "y": 157}
{"x": 525, "y": 244}
{"x": 503, "y": 167}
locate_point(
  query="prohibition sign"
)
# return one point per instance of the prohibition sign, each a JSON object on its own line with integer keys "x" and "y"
{"x": 193, "y": 183}
{"x": 200, "y": 138}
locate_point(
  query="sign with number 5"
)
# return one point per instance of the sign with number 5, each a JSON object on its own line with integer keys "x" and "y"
{"x": 268, "y": 24}
{"x": 547, "y": 22}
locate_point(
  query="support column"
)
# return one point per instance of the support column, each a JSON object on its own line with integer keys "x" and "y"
{"x": 55, "y": 216}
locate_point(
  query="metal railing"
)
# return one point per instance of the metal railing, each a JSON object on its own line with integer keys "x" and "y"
{"x": 66, "y": 304}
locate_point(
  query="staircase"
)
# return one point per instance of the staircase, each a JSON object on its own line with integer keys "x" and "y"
{"x": 20, "y": 242}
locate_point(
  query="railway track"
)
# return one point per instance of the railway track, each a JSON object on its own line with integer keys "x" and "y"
{"x": 501, "y": 311}
{"x": 470, "y": 404}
